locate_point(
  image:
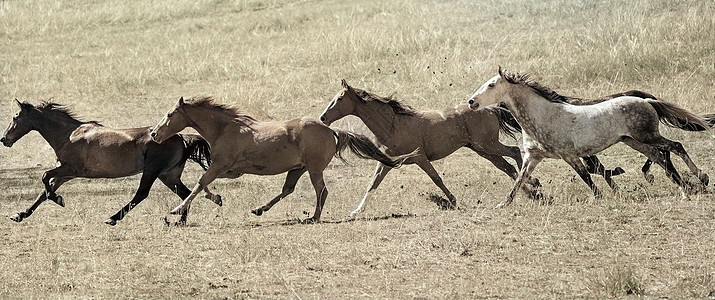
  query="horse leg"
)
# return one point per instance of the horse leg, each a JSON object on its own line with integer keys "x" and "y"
{"x": 215, "y": 198}
{"x": 321, "y": 193}
{"x": 646, "y": 168}
{"x": 426, "y": 166}
{"x": 581, "y": 170}
{"x": 594, "y": 166}
{"x": 183, "y": 209}
{"x": 662, "y": 160}
{"x": 54, "y": 184}
{"x": 503, "y": 165}
{"x": 380, "y": 173}
{"x": 145, "y": 183}
{"x": 530, "y": 162}
{"x": 678, "y": 149}
{"x": 62, "y": 171}
{"x": 288, "y": 188}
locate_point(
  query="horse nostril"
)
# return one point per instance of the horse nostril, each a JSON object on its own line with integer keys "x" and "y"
{"x": 153, "y": 134}
{"x": 471, "y": 101}
{"x": 322, "y": 119}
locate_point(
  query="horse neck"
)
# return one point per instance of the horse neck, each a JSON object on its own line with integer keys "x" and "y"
{"x": 529, "y": 108}
{"x": 209, "y": 123}
{"x": 378, "y": 117}
{"x": 55, "y": 130}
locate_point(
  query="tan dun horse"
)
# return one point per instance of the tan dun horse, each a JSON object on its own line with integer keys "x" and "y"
{"x": 554, "y": 128}
{"x": 90, "y": 150}
{"x": 438, "y": 133}
{"x": 241, "y": 144}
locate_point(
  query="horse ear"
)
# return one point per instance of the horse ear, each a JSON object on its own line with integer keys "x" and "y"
{"x": 501, "y": 73}
{"x": 181, "y": 101}
{"x": 18, "y": 103}
{"x": 345, "y": 84}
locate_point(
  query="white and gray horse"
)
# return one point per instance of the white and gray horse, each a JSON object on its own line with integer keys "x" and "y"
{"x": 553, "y": 128}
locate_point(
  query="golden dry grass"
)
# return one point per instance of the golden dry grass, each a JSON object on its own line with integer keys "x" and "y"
{"x": 126, "y": 63}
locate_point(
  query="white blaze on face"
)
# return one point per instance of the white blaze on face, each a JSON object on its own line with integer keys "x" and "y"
{"x": 485, "y": 86}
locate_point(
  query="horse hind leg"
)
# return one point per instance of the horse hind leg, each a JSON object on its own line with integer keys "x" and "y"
{"x": 288, "y": 188}
{"x": 142, "y": 192}
{"x": 427, "y": 167}
{"x": 380, "y": 172}
{"x": 321, "y": 193}
{"x": 662, "y": 160}
{"x": 678, "y": 149}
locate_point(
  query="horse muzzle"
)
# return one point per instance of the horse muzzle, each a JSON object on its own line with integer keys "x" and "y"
{"x": 473, "y": 104}
{"x": 6, "y": 142}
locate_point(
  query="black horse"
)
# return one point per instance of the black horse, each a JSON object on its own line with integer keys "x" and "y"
{"x": 91, "y": 150}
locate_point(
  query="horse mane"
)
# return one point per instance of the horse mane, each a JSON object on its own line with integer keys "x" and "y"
{"x": 207, "y": 102}
{"x": 541, "y": 90}
{"x": 397, "y": 107}
{"x": 62, "y": 111}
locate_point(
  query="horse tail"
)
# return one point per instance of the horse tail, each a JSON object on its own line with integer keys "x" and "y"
{"x": 678, "y": 117}
{"x": 710, "y": 119}
{"x": 364, "y": 148}
{"x": 507, "y": 123}
{"x": 197, "y": 149}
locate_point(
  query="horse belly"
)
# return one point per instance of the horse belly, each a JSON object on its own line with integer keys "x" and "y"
{"x": 117, "y": 162}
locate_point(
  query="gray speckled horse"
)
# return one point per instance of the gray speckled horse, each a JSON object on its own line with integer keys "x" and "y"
{"x": 553, "y": 128}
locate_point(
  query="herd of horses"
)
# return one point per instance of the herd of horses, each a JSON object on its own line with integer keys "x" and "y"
{"x": 231, "y": 143}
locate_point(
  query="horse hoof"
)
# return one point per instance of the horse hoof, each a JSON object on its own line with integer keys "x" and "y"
{"x": 110, "y": 222}
{"x": 312, "y": 220}
{"x": 177, "y": 223}
{"x": 257, "y": 212}
{"x": 17, "y": 217}
{"x": 177, "y": 210}
{"x": 617, "y": 171}
{"x": 649, "y": 177}
{"x": 704, "y": 179}
{"x": 59, "y": 200}
{"x": 217, "y": 199}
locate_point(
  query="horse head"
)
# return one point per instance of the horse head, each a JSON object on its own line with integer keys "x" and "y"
{"x": 343, "y": 104}
{"x": 172, "y": 123}
{"x": 21, "y": 124}
{"x": 491, "y": 92}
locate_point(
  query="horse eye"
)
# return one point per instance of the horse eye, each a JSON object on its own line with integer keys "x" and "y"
{"x": 169, "y": 115}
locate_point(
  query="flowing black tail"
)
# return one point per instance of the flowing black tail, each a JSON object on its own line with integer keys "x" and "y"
{"x": 507, "y": 123}
{"x": 678, "y": 117}
{"x": 197, "y": 149}
{"x": 363, "y": 147}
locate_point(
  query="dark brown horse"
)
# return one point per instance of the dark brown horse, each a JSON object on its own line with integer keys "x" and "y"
{"x": 241, "y": 144}
{"x": 90, "y": 150}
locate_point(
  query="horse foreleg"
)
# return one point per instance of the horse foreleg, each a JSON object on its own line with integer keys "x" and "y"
{"x": 426, "y": 166}
{"x": 54, "y": 185}
{"x": 530, "y": 162}
{"x": 582, "y": 172}
{"x": 183, "y": 208}
{"x": 594, "y": 166}
{"x": 288, "y": 188}
{"x": 145, "y": 184}
{"x": 62, "y": 172}
{"x": 380, "y": 172}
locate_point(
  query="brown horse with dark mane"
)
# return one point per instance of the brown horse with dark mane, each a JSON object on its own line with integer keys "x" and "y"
{"x": 90, "y": 150}
{"x": 241, "y": 144}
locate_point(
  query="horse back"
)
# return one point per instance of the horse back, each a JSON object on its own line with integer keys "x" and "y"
{"x": 98, "y": 151}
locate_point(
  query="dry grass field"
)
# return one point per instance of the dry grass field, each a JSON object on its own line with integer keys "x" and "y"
{"x": 125, "y": 63}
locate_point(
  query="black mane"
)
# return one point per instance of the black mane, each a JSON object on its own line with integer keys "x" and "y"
{"x": 397, "y": 106}
{"x": 61, "y": 110}
{"x": 541, "y": 90}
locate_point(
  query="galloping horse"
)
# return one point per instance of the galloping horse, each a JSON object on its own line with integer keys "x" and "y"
{"x": 438, "y": 133}
{"x": 553, "y": 128}
{"x": 709, "y": 119}
{"x": 241, "y": 144}
{"x": 90, "y": 150}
